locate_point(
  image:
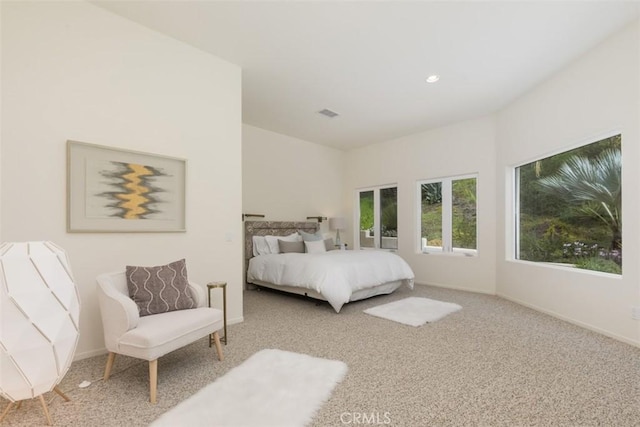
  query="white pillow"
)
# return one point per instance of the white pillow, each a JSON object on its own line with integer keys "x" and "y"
{"x": 260, "y": 246}
{"x": 272, "y": 241}
{"x": 315, "y": 246}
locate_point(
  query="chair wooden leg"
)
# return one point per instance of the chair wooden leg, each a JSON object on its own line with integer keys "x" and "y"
{"x": 46, "y": 410}
{"x": 153, "y": 380}
{"x": 6, "y": 410}
{"x": 216, "y": 339}
{"x": 107, "y": 370}
{"x": 64, "y": 396}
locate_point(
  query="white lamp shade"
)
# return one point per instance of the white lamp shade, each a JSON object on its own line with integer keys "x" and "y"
{"x": 337, "y": 223}
{"x": 39, "y": 317}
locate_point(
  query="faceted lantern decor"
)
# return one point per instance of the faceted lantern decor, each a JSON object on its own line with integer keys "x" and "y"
{"x": 39, "y": 317}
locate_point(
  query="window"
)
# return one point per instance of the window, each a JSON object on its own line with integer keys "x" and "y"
{"x": 568, "y": 208}
{"x": 448, "y": 210}
{"x": 378, "y": 217}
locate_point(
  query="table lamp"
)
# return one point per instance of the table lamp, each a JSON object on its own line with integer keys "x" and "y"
{"x": 337, "y": 224}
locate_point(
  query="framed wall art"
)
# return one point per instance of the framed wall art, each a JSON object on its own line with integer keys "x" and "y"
{"x": 115, "y": 190}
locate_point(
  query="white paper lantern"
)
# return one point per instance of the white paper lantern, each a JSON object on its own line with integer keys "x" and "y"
{"x": 39, "y": 317}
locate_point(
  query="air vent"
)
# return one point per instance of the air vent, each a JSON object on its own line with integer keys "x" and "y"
{"x": 328, "y": 113}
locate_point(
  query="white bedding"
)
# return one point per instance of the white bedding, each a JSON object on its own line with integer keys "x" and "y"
{"x": 334, "y": 274}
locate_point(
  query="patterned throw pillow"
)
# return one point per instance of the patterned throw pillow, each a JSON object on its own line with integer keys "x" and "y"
{"x": 160, "y": 289}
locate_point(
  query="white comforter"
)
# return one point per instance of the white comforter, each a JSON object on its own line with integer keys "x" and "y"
{"x": 334, "y": 274}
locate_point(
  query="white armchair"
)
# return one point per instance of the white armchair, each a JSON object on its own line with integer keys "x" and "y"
{"x": 150, "y": 337}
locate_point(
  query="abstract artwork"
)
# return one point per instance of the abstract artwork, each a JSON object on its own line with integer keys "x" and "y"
{"x": 113, "y": 190}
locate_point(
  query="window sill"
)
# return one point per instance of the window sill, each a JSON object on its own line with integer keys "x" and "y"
{"x": 466, "y": 254}
{"x": 566, "y": 267}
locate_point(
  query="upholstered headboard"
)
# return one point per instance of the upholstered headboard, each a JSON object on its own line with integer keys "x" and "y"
{"x": 272, "y": 228}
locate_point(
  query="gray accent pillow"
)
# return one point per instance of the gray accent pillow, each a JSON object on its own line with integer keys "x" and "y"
{"x": 328, "y": 244}
{"x": 287, "y": 247}
{"x": 160, "y": 289}
{"x": 309, "y": 237}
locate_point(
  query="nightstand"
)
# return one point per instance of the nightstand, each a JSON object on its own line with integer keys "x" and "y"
{"x": 218, "y": 285}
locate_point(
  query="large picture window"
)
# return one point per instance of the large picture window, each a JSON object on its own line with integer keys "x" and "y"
{"x": 378, "y": 217}
{"x": 568, "y": 208}
{"x": 448, "y": 210}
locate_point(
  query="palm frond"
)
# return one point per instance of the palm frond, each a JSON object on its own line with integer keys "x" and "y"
{"x": 580, "y": 179}
{"x": 594, "y": 184}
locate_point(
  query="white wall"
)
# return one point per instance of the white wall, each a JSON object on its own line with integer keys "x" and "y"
{"x": 74, "y": 71}
{"x": 1, "y": 127}
{"x": 286, "y": 178}
{"x": 596, "y": 95}
{"x": 459, "y": 149}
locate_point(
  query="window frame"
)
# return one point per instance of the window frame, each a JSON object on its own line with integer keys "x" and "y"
{"x": 447, "y": 217}
{"x": 512, "y": 200}
{"x": 376, "y": 216}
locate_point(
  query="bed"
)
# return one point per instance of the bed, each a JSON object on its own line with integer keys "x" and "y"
{"x": 335, "y": 276}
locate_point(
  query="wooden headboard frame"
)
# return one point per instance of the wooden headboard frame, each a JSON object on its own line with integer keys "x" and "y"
{"x": 271, "y": 228}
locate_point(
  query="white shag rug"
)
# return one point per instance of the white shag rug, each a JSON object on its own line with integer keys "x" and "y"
{"x": 414, "y": 311}
{"x": 271, "y": 388}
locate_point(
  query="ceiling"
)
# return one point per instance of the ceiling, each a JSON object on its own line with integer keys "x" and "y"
{"x": 368, "y": 60}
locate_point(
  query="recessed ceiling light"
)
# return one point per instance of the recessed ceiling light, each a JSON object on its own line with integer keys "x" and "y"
{"x": 433, "y": 78}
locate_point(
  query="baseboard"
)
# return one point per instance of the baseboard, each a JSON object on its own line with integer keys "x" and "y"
{"x": 235, "y": 320}
{"x": 90, "y": 353}
{"x": 573, "y": 321}
{"x": 457, "y": 288}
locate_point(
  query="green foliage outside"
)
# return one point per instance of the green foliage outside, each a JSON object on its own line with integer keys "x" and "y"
{"x": 431, "y": 195}
{"x": 599, "y": 264}
{"x": 388, "y": 211}
{"x": 464, "y": 221}
{"x": 366, "y": 210}
{"x": 570, "y": 207}
{"x": 464, "y": 224}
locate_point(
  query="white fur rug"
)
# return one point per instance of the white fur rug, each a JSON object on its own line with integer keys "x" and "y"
{"x": 414, "y": 311}
{"x": 271, "y": 388}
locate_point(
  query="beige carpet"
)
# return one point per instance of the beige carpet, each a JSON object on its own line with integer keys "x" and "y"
{"x": 494, "y": 363}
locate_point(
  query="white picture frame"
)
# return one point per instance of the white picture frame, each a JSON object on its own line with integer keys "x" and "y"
{"x": 112, "y": 190}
